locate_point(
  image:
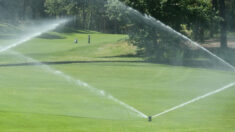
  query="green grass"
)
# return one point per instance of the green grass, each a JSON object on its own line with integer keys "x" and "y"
{"x": 35, "y": 100}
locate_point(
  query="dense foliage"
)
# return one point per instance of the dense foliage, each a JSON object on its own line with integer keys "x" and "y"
{"x": 197, "y": 19}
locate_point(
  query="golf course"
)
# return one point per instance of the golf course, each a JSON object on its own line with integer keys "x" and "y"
{"x": 117, "y": 65}
{"x": 51, "y": 84}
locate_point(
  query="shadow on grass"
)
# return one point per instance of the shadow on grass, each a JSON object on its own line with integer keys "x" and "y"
{"x": 75, "y": 30}
{"x": 64, "y": 62}
{"x": 228, "y": 54}
{"x": 51, "y": 36}
{"x": 203, "y": 61}
{"x": 123, "y": 56}
{"x": 196, "y": 59}
{"x": 205, "y": 64}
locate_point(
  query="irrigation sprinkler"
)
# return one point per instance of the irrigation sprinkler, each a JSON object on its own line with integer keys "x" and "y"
{"x": 76, "y": 41}
{"x": 150, "y": 118}
{"x": 89, "y": 39}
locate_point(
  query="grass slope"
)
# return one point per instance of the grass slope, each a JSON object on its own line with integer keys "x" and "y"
{"x": 33, "y": 99}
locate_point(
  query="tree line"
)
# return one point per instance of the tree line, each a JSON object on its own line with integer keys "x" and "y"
{"x": 197, "y": 19}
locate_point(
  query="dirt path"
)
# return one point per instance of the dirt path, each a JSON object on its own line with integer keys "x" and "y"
{"x": 215, "y": 42}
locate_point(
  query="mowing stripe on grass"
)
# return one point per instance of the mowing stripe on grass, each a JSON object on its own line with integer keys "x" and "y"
{"x": 195, "y": 99}
{"x": 82, "y": 84}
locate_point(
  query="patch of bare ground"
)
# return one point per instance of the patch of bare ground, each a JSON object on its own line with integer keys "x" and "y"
{"x": 215, "y": 42}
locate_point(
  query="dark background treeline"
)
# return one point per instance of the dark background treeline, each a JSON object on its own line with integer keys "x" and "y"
{"x": 197, "y": 19}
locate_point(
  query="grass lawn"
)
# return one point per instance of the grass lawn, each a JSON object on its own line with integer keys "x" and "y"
{"x": 33, "y": 99}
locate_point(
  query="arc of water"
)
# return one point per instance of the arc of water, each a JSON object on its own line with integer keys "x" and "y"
{"x": 83, "y": 84}
{"x": 101, "y": 92}
{"x": 42, "y": 29}
{"x": 167, "y": 28}
{"x": 150, "y": 20}
{"x": 69, "y": 78}
{"x": 195, "y": 99}
{"x": 189, "y": 40}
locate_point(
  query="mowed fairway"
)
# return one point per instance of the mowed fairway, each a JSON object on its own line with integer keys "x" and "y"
{"x": 34, "y": 99}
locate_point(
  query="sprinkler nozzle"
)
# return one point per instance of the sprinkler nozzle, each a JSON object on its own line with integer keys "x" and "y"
{"x": 150, "y": 118}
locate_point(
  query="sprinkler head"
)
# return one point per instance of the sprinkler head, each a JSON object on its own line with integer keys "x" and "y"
{"x": 150, "y": 118}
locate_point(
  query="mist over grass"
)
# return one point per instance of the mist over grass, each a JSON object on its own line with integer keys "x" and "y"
{"x": 135, "y": 58}
{"x": 153, "y": 40}
{"x": 29, "y": 91}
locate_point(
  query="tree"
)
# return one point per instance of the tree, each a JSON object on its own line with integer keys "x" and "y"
{"x": 153, "y": 40}
{"x": 56, "y": 7}
{"x": 16, "y": 11}
{"x": 223, "y": 24}
{"x": 230, "y": 14}
{"x": 195, "y": 15}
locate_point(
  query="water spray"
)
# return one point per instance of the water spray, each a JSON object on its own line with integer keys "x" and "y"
{"x": 83, "y": 84}
{"x": 35, "y": 33}
{"x": 149, "y": 20}
{"x": 196, "y": 99}
{"x": 53, "y": 26}
{"x": 152, "y": 20}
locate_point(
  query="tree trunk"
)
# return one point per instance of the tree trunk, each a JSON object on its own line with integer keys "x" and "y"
{"x": 84, "y": 14}
{"x": 223, "y": 25}
{"x": 201, "y": 34}
{"x": 90, "y": 20}
{"x": 215, "y": 5}
{"x": 23, "y": 10}
{"x": 83, "y": 17}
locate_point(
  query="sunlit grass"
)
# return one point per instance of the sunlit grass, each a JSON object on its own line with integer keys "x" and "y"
{"x": 33, "y": 99}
